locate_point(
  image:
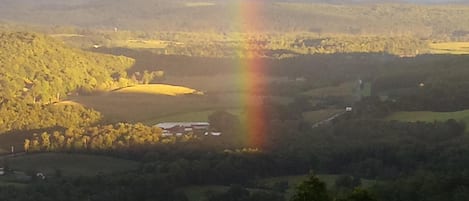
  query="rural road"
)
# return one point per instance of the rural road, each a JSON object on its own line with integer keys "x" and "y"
{"x": 325, "y": 121}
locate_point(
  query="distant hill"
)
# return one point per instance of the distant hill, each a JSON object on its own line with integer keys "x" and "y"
{"x": 321, "y": 16}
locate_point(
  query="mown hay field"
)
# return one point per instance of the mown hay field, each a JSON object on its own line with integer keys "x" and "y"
{"x": 450, "y": 48}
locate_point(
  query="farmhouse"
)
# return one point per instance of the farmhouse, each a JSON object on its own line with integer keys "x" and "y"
{"x": 181, "y": 128}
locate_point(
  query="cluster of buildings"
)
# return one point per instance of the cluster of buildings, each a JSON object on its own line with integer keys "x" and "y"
{"x": 183, "y": 128}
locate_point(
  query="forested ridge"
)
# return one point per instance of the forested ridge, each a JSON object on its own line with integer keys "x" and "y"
{"x": 36, "y": 68}
{"x": 36, "y": 71}
{"x": 382, "y": 17}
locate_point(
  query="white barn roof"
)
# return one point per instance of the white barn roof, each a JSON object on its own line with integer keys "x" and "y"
{"x": 168, "y": 125}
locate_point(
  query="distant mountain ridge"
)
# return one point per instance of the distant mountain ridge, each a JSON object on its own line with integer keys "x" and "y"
{"x": 376, "y": 17}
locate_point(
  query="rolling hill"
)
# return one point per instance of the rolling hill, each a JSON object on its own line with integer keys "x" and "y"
{"x": 350, "y": 17}
{"x": 36, "y": 70}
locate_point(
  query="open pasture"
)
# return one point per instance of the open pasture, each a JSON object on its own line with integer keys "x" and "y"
{"x": 135, "y": 107}
{"x": 295, "y": 180}
{"x": 70, "y": 164}
{"x": 197, "y": 193}
{"x": 158, "y": 89}
{"x": 199, "y": 4}
{"x": 343, "y": 90}
{"x": 428, "y": 116}
{"x": 141, "y": 44}
{"x": 450, "y": 48}
{"x": 152, "y": 108}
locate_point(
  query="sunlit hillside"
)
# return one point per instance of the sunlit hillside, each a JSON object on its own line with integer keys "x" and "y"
{"x": 450, "y": 48}
{"x": 353, "y": 17}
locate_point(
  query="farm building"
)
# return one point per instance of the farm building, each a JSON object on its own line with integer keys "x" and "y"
{"x": 180, "y": 128}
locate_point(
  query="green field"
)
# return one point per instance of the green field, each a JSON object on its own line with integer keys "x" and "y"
{"x": 366, "y": 90}
{"x": 428, "y": 116}
{"x": 142, "y": 107}
{"x": 344, "y": 89}
{"x": 70, "y": 164}
{"x": 450, "y": 48}
{"x": 197, "y": 193}
{"x": 154, "y": 103}
{"x": 140, "y": 44}
{"x": 295, "y": 180}
{"x": 66, "y": 35}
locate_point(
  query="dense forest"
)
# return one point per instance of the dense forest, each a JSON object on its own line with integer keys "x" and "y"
{"x": 36, "y": 68}
{"x": 38, "y": 71}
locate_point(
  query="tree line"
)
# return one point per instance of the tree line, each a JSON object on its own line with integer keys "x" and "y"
{"x": 99, "y": 138}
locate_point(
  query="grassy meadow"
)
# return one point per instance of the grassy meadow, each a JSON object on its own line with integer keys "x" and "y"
{"x": 344, "y": 89}
{"x": 141, "y": 107}
{"x": 295, "y": 180}
{"x": 197, "y": 193}
{"x": 66, "y": 35}
{"x": 158, "y": 89}
{"x": 70, "y": 164}
{"x": 214, "y": 83}
{"x": 428, "y": 116}
{"x": 157, "y": 102}
{"x": 450, "y": 48}
{"x": 172, "y": 101}
{"x": 141, "y": 44}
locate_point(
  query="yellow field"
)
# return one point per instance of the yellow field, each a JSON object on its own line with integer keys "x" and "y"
{"x": 159, "y": 89}
{"x": 141, "y": 44}
{"x": 66, "y": 35}
{"x": 450, "y": 48}
{"x": 319, "y": 115}
{"x": 67, "y": 102}
{"x": 199, "y": 4}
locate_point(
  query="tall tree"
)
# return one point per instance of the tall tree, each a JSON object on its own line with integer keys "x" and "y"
{"x": 312, "y": 189}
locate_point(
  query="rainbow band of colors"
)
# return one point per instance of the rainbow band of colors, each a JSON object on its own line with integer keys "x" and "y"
{"x": 251, "y": 71}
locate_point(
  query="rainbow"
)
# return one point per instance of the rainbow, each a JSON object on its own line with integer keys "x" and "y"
{"x": 251, "y": 73}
